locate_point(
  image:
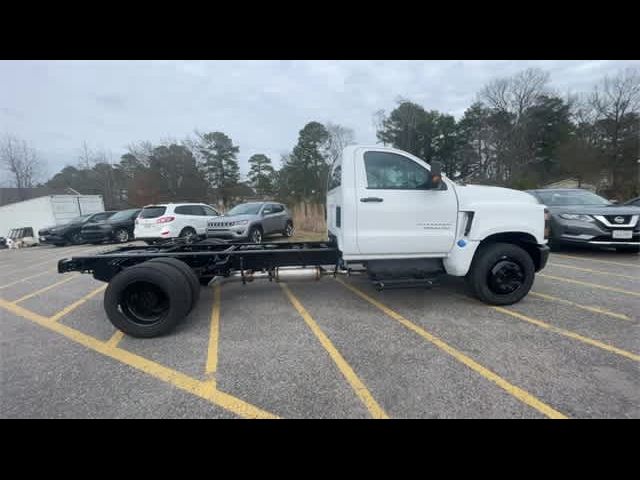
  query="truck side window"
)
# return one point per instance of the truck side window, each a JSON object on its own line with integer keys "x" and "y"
{"x": 335, "y": 180}
{"x": 391, "y": 171}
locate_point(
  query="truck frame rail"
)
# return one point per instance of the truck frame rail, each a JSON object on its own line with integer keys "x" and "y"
{"x": 207, "y": 259}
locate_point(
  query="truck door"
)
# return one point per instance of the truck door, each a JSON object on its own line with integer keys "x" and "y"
{"x": 396, "y": 214}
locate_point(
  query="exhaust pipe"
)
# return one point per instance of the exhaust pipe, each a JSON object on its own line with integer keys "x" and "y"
{"x": 283, "y": 274}
{"x": 279, "y": 274}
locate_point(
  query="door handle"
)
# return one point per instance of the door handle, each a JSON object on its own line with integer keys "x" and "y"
{"x": 371, "y": 199}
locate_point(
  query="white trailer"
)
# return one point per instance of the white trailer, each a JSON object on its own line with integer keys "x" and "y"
{"x": 47, "y": 211}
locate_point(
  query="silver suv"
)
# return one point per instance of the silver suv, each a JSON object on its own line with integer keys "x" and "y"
{"x": 252, "y": 222}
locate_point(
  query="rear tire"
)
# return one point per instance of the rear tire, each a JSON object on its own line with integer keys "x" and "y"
{"x": 188, "y": 274}
{"x": 121, "y": 235}
{"x": 289, "y": 229}
{"x": 189, "y": 235}
{"x": 147, "y": 300}
{"x": 501, "y": 274}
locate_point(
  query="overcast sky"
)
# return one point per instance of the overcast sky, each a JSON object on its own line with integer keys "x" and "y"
{"x": 262, "y": 105}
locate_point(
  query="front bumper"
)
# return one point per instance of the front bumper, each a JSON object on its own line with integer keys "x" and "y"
{"x": 544, "y": 256}
{"x": 52, "y": 239}
{"x": 573, "y": 232}
{"x": 227, "y": 233}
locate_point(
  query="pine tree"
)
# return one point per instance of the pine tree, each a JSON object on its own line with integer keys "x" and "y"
{"x": 261, "y": 174}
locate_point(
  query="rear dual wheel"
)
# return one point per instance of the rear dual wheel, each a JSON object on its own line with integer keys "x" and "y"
{"x": 151, "y": 298}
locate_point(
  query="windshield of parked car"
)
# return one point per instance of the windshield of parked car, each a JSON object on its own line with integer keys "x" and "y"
{"x": 245, "y": 209}
{"x": 557, "y": 199}
{"x": 123, "y": 215}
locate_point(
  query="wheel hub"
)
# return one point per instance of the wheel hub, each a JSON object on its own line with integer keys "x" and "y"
{"x": 144, "y": 303}
{"x": 506, "y": 276}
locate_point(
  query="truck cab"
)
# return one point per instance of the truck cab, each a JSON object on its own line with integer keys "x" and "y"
{"x": 385, "y": 212}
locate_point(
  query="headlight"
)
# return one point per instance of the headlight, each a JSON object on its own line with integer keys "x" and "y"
{"x": 576, "y": 216}
{"x": 241, "y": 222}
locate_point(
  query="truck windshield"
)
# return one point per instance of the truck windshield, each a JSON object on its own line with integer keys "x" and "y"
{"x": 557, "y": 199}
{"x": 245, "y": 209}
{"x": 152, "y": 212}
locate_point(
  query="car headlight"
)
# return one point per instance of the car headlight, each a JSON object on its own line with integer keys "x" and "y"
{"x": 240, "y": 222}
{"x": 576, "y": 216}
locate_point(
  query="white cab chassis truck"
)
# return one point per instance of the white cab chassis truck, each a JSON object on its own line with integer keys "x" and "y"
{"x": 390, "y": 216}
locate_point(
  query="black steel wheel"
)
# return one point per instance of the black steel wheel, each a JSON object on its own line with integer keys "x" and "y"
{"x": 147, "y": 300}
{"x": 501, "y": 273}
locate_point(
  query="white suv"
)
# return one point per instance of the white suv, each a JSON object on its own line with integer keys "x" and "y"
{"x": 172, "y": 220}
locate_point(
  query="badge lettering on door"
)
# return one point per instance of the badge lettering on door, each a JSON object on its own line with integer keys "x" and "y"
{"x": 435, "y": 225}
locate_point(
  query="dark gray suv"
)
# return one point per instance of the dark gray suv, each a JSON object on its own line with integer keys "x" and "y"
{"x": 252, "y": 222}
{"x": 582, "y": 217}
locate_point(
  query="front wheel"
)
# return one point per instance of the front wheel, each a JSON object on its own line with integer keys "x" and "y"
{"x": 501, "y": 274}
{"x": 255, "y": 235}
{"x": 288, "y": 230}
{"x": 75, "y": 238}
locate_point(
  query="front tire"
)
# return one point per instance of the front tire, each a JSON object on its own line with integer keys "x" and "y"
{"x": 147, "y": 300}
{"x": 501, "y": 274}
{"x": 75, "y": 238}
{"x": 255, "y": 235}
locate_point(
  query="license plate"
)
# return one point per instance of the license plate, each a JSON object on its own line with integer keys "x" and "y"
{"x": 622, "y": 234}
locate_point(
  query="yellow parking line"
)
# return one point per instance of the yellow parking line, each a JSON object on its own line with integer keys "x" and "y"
{"x": 173, "y": 377}
{"x": 42, "y": 290}
{"x": 588, "y": 284}
{"x": 577, "y": 305}
{"x": 26, "y": 278}
{"x": 511, "y": 389}
{"x": 599, "y": 272}
{"x": 357, "y": 385}
{"x": 115, "y": 339}
{"x": 212, "y": 351}
{"x": 596, "y": 260}
{"x": 570, "y": 334}
{"x": 76, "y": 304}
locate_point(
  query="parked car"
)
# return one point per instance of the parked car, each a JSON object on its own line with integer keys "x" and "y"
{"x": 117, "y": 228}
{"x": 634, "y": 201}
{"x": 173, "y": 220}
{"x": 580, "y": 217}
{"x": 252, "y": 221}
{"x": 70, "y": 232}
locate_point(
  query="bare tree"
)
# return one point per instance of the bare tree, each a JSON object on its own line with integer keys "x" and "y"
{"x": 516, "y": 93}
{"x": 339, "y": 138}
{"x": 85, "y": 158}
{"x": 617, "y": 96}
{"x": 22, "y": 162}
